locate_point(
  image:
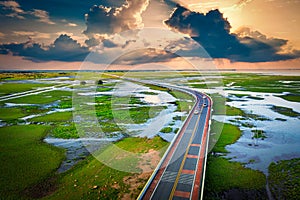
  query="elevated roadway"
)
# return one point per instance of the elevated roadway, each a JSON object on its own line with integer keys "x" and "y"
{"x": 181, "y": 172}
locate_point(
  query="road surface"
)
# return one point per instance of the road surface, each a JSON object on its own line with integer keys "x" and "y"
{"x": 181, "y": 172}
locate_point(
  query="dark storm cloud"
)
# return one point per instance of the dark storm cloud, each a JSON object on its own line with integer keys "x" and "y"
{"x": 64, "y": 48}
{"x": 109, "y": 20}
{"x": 212, "y": 31}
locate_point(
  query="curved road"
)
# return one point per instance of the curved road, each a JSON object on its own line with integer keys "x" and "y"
{"x": 181, "y": 172}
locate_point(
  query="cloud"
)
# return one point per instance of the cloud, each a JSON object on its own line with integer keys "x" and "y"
{"x": 109, "y": 44}
{"x": 142, "y": 56}
{"x": 42, "y": 15}
{"x": 64, "y": 48}
{"x": 32, "y": 34}
{"x": 13, "y": 8}
{"x": 242, "y": 3}
{"x": 92, "y": 42}
{"x": 2, "y": 35}
{"x": 109, "y": 20}
{"x": 72, "y": 24}
{"x": 212, "y": 31}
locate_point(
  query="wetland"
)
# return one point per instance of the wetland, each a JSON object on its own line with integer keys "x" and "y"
{"x": 51, "y": 143}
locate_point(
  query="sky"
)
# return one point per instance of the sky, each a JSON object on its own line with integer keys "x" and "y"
{"x": 92, "y": 34}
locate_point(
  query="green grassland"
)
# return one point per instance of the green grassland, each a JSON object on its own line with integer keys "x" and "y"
{"x": 283, "y": 179}
{"x": 43, "y": 98}
{"x": 28, "y": 166}
{"x": 11, "y": 88}
{"x": 219, "y": 107}
{"x": 54, "y": 117}
{"x": 291, "y": 97}
{"x": 185, "y": 101}
{"x": 7, "y": 114}
{"x": 91, "y": 179}
{"x": 142, "y": 145}
{"x": 257, "y": 83}
{"x": 224, "y": 177}
{"x": 25, "y": 159}
{"x": 33, "y": 75}
{"x": 229, "y": 135}
{"x": 263, "y": 83}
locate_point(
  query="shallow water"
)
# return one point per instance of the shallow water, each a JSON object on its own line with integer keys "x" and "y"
{"x": 78, "y": 149}
{"x": 283, "y": 137}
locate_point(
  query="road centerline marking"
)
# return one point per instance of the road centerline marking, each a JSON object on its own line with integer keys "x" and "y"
{"x": 184, "y": 158}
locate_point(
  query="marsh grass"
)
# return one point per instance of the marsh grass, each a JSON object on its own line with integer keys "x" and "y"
{"x": 91, "y": 179}
{"x": 222, "y": 175}
{"x": 285, "y": 111}
{"x": 43, "y": 98}
{"x": 291, "y": 97}
{"x": 54, "y": 117}
{"x": 284, "y": 179}
{"x": 25, "y": 159}
{"x": 12, "y": 88}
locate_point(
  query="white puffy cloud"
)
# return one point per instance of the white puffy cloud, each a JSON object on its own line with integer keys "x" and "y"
{"x": 107, "y": 20}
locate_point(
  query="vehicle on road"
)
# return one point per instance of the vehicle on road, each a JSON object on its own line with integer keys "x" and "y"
{"x": 196, "y": 112}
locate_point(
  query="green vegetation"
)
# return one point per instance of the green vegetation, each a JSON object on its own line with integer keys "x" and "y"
{"x": 137, "y": 115}
{"x": 259, "y": 134}
{"x": 241, "y": 95}
{"x": 291, "y": 97}
{"x": 67, "y": 103}
{"x": 176, "y": 130}
{"x": 263, "y": 83}
{"x": 166, "y": 129}
{"x": 148, "y": 93}
{"x": 232, "y": 111}
{"x": 64, "y": 131}
{"x": 154, "y": 87}
{"x": 11, "y": 88}
{"x": 43, "y": 98}
{"x": 284, "y": 179}
{"x": 280, "y": 119}
{"x": 218, "y": 104}
{"x": 33, "y": 75}
{"x": 229, "y": 135}
{"x": 224, "y": 177}
{"x": 285, "y": 111}
{"x": 7, "y": 114}
{"x": 54, "y": 117}
{"x": 103, "y": 89}
{"x": 219, "y": 107}
{"x": 185, "y": 101}
{"x": 256, "y": 98}
{"x": 25, "y": 159}
{"x": 142, "y": 145}
{"x": 126, "y": 100}
{"x": 91, "y": 179}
